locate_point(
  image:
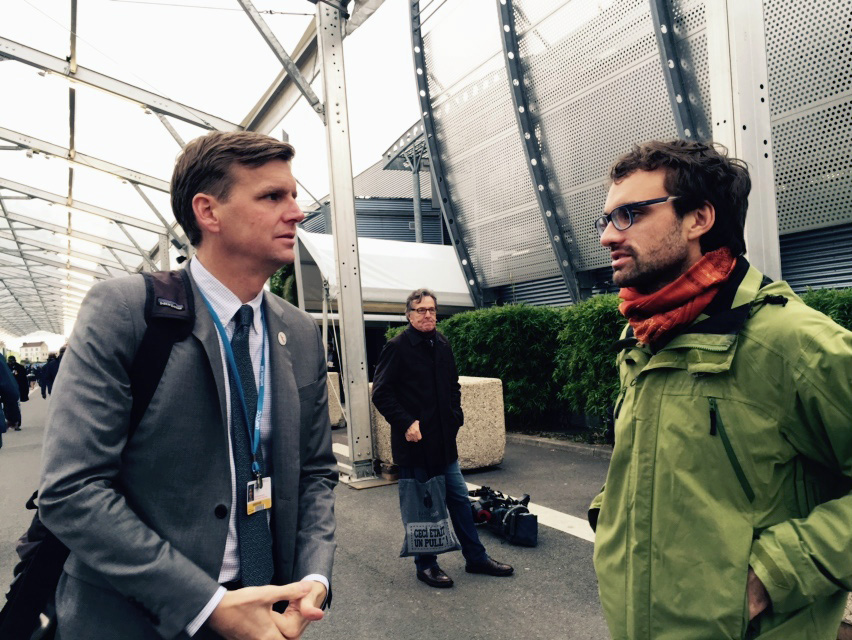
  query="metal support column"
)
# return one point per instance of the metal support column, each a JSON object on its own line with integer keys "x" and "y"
{"x": 418, "y": 210}
{"x": 664, "y": 31}
{"x": 330, "y": 36}
{"x": 165, "y": 263}
{"x": 442, "y": 193}
{"x": 532, "y": 151}
{"x": 739, "y": 97}
{"x": 300, "y": 283}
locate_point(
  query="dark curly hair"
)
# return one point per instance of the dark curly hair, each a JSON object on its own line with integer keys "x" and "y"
{"x": 697, "y": 172}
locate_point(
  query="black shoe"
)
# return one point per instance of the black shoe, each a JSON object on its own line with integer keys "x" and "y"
{"x": 491, "y": 568}
{"x": 435, "y": 577}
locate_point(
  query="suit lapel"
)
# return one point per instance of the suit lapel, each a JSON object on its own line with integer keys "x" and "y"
{"x": 205, "y": 331}
{"x": 284, "y": 397}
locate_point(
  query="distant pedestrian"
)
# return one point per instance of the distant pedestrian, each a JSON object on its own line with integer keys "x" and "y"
{"x": 42, "y": 381}
{"x": 416, "y": 388}
{"x": 9, "y": 399}
{"x": 20, "y": 372}
{"x": 31, "y": 375}
{"x": 50, "y": 369}
{"x": 13, "y": 410}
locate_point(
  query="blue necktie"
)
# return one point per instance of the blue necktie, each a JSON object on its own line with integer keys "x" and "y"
{"x": 255, "y": 540}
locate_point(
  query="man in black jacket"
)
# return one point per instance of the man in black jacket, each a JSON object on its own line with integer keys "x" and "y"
{"x": 416, "y": 388}
{"x": 13, "y": 413}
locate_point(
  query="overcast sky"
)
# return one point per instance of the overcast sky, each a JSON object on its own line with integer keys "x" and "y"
{"x": 206, "y": 55}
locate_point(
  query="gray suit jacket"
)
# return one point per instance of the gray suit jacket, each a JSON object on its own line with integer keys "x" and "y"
{"x": 146, "y": 519}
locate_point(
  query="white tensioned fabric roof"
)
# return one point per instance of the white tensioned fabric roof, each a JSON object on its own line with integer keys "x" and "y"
{"x": 390, "y": 270}
{"x": 95, "y": 97}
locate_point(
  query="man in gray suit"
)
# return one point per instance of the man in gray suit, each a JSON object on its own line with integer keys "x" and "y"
{"x": 225, "y": 488}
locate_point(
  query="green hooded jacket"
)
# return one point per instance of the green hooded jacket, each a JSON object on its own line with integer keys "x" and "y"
{"x": 733, "y": 448}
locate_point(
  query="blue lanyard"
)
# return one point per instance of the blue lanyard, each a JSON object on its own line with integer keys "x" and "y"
{"x": 254, "y": 437}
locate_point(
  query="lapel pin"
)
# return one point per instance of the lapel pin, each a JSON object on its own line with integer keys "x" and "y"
{"x": 282, "y": 339}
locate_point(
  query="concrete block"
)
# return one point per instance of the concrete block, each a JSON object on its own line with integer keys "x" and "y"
{"x": 847, "y": 618}
{"x": 481, "y": 441}
{"x": 335, "y": 410}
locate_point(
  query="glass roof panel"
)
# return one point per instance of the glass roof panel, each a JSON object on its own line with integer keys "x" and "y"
{"x": 210, "y": 59}
{"x": 112, "y": 193}
{"x": 40, "y": 24}
{"x": 38, "y": 171}
{"x": 121, "y": 132}
{"x": 33, "y": 105}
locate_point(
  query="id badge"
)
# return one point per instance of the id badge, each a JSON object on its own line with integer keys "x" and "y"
{"x": 258, "y": 498}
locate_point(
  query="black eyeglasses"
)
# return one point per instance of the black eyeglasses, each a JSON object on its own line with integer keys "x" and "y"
{"x": 422, "y": 311}
{"x": 622, "y": 217}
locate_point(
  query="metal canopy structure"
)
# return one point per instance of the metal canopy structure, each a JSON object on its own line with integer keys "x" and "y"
{"x": 411, "y": 153}
{"x": 88, "y": 140}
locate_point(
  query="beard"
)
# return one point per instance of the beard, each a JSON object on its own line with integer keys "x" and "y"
{"x": 661, "y": 266}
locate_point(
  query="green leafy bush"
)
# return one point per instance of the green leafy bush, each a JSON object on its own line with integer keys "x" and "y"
{"x": 516, "y": 344}
{"x": 283, "y": 283}
{"x": 835, "y": 303}
{"x": 393, "y": 332}
{"x": 555, "y": 362}
{"x": 584, "y": 365}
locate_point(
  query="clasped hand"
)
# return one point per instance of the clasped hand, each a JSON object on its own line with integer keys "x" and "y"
{"x": 412, "y": 434}
{"x": 247, "y": 614}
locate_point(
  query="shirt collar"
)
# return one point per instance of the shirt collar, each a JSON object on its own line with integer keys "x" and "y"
{"x": 224, "y": 302}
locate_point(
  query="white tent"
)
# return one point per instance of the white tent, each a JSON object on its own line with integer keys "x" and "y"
{"x": 390, "y": 270}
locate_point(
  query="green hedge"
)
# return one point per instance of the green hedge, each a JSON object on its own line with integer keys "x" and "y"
{"x": 283, "y": 283}
{"x": 554, "y": 362}
{"x": 835, "y": 303}
{"x": 514, "y": 343}
{"x": 584, "y": 364}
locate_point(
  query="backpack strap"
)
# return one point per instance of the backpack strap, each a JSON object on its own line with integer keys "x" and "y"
{"x": 170, "y": 316}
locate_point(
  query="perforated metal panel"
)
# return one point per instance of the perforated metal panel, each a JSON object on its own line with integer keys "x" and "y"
{"x": 690, "y": 28}
{"x": 594, "y": 76}
{"x": 484, "y": 163}
{"x": 809, "y": 57}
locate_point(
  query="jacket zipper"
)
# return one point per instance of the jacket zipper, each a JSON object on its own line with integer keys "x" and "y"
{"x": 716, "y": 425}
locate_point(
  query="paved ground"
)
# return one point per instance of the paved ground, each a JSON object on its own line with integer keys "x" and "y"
{"x": 552, "y": 596}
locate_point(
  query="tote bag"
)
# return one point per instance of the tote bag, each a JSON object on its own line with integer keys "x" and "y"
{"x": 425, "y": 518}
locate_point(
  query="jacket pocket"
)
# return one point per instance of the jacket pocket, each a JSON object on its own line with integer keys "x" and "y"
{"x": 717, "y": 427}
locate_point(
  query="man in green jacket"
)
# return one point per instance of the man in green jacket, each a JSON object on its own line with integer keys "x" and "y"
{"x": 727, "y": 510}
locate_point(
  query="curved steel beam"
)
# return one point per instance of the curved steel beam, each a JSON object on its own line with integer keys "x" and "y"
{"x": 532, "y": 150}
{"x": 664, "y": 32}
{"x": 437, "y": 167}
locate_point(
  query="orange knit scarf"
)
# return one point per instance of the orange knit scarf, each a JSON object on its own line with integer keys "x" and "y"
{"x": 677, "y": 304}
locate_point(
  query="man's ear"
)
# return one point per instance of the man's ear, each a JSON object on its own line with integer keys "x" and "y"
{"x": 699, "y": 221}
{"x": 204, "y": 207}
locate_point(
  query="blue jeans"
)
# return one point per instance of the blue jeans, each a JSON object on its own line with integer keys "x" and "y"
{"x": 458, "y": 505}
